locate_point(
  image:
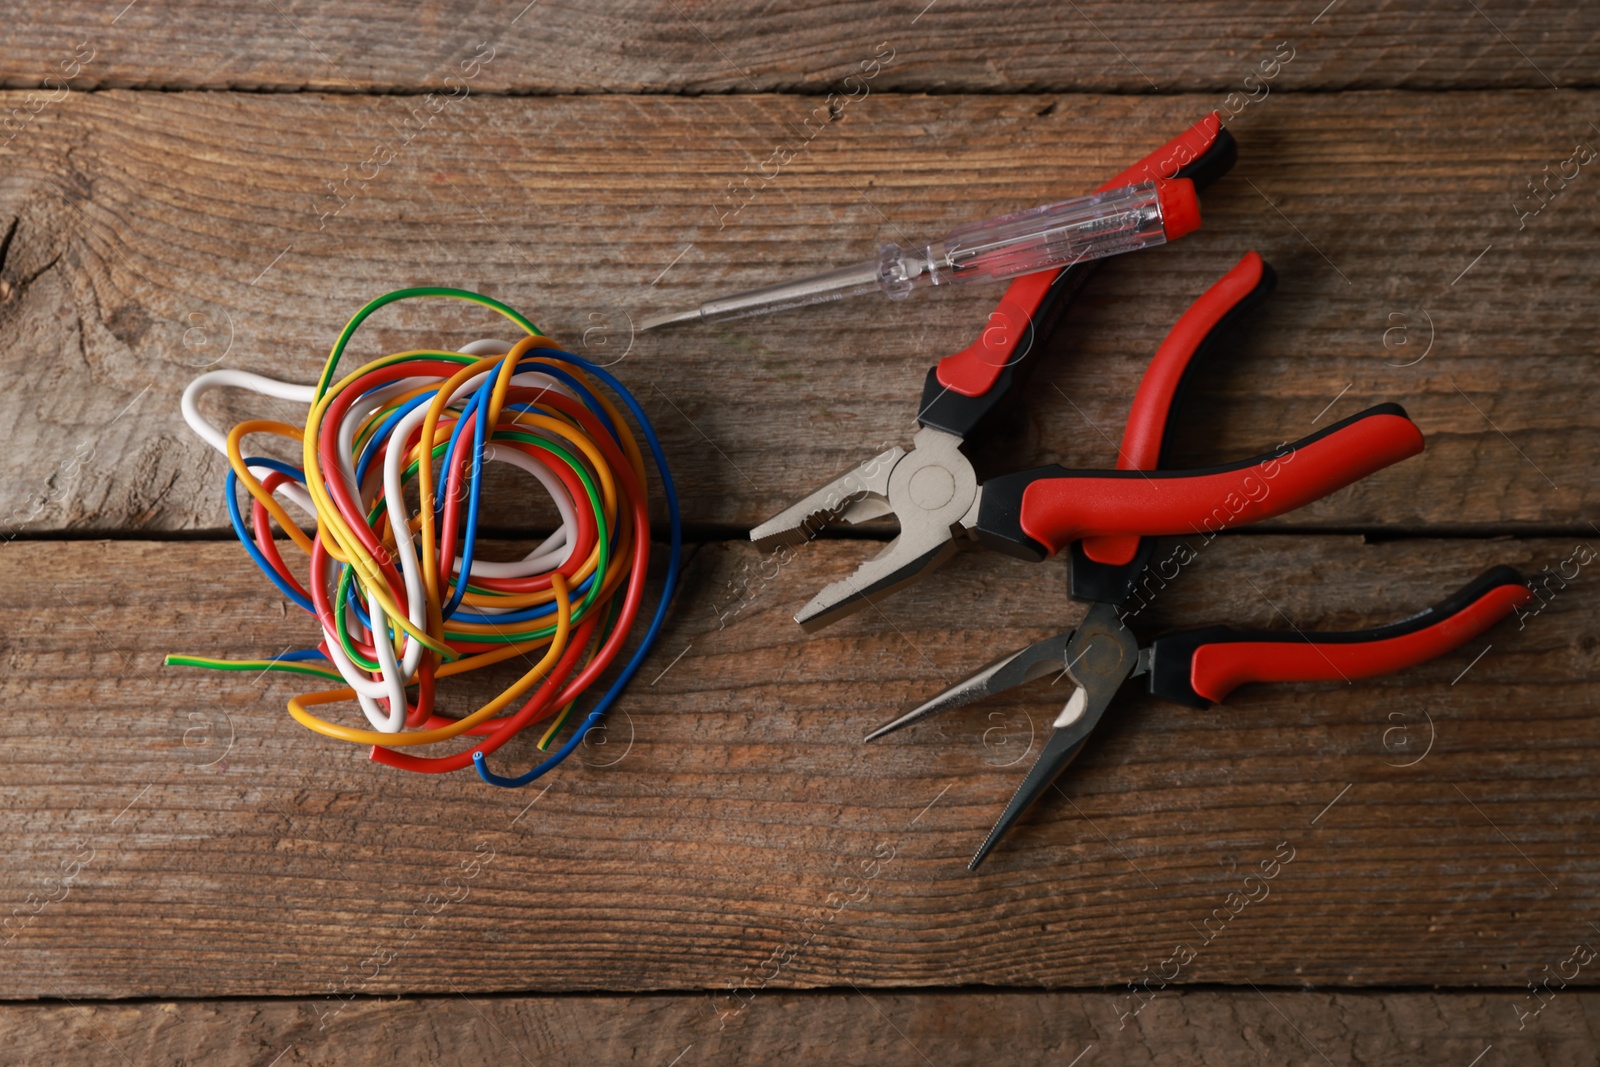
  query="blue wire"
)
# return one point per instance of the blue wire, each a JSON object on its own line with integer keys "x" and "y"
{"x": 667, "y": 589}
{"x": 231, "y": 493}
{"x": 367, "y": 454}
{"x": 477, "y": 402}
{"x": 479, "y": 405}
{"x": 537, "y": 611}
{"x": 474, "y": 403}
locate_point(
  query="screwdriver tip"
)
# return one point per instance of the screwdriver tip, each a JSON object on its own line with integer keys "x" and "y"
{"x": 668, "y": 318}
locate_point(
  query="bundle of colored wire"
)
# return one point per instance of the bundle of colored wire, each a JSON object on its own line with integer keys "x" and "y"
{"x": 401, "y": 594}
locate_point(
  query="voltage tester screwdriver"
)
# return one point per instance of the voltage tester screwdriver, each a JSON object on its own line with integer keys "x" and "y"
{"x": 1041, "y": 238}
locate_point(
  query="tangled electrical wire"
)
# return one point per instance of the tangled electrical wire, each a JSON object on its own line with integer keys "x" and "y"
{"x": 400, "y": 594}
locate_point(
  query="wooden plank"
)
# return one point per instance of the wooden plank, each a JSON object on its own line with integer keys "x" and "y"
{"x": 721, "y": 46}
{"x": 1397, "y": 1029}
{"x": 173, "y": 833}
{"x": 155, "y": 234}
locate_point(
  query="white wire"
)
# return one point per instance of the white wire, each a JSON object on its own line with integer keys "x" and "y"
{"x": 290, "y": 490}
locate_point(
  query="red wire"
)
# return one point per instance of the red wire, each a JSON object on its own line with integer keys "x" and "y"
{"x": 262, "y": 523}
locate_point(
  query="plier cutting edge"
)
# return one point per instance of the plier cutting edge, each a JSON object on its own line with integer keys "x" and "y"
{"x": 1106, "y": 517}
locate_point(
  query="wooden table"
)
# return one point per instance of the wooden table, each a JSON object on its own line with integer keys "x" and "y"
{"x": 193, "y": 878}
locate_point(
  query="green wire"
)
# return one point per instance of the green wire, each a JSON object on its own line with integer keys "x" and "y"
{"x": 178, "y": 659}
{"x": 401, "y": 294}
{"x": 342, "y": 625}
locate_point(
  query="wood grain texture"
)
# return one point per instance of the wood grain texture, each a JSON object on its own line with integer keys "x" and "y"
{"x": 154, "y": 234}
{"x": 722, "y": 46}
{"x": 172, "y": 833}
{"x": 884, "y": 1029}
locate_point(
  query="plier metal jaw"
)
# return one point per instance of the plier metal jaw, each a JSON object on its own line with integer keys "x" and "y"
{"x": 1099, "y": 655}
{"x": 931, "y": 488}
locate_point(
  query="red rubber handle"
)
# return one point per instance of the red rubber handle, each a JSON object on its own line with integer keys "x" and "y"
{"x": 1152, "y": 403}
{"x": 1037, "y": 513}
{"x": 974, "y": 370}
{"x": 1199, "y": 667}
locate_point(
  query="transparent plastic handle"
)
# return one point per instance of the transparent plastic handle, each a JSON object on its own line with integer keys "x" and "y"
{"x": 1040, "y": 238}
